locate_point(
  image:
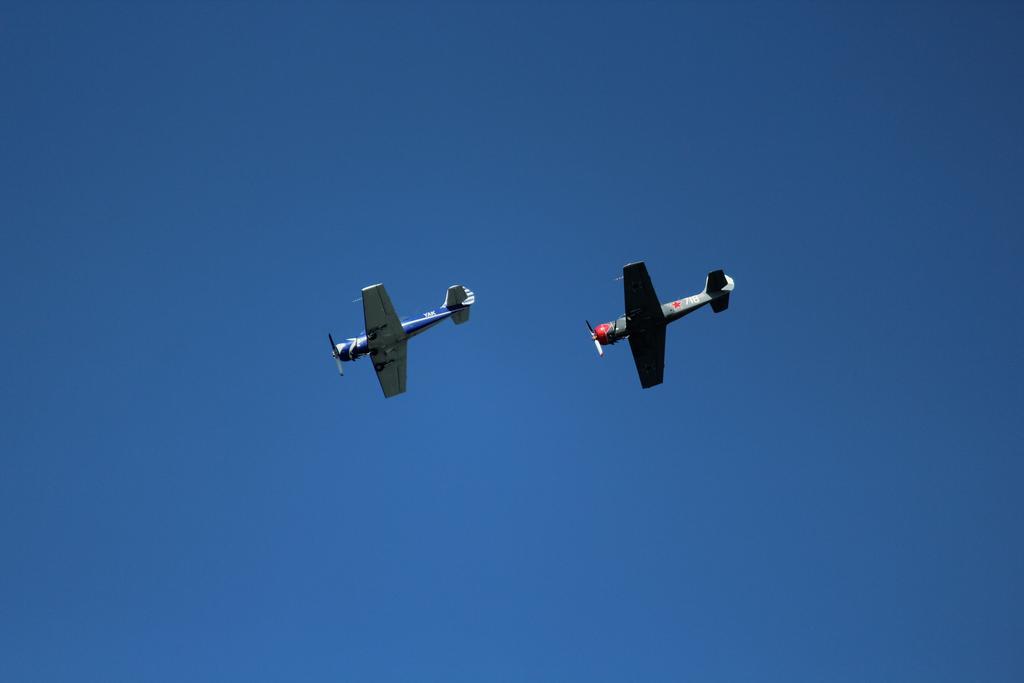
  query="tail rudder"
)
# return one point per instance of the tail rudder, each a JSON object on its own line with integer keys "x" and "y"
{"x": 460, "y": 298}
{"x": 718, "y": 287}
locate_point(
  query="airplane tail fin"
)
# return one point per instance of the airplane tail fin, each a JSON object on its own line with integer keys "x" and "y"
{"x": 460, "y": 298}
{"x": 721, "y": 285}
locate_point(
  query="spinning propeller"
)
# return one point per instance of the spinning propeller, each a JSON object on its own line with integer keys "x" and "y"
{"x": 337, "y": 356}
{"x": 593, "y": 335}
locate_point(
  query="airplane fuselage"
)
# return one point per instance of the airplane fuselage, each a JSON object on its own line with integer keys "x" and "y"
{"x": 354, "y": 347}
{"x": 619, "y": 329}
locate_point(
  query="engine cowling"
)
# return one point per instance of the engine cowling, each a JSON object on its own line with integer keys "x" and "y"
{"x": 602, "y": 333}
{"x": 350, "y": 350}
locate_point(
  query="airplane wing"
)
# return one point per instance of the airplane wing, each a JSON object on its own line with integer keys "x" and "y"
{"x": 648, "y": 349}
{"x": 385, "y": 339}
{"x": 645, "y": 323}
{"x": 641, "y": 301}
{"x": 383, "y": 328}
{"x": 391, "y": 370}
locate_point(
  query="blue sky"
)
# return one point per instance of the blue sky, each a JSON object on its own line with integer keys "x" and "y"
{"x": 826, "y": 487}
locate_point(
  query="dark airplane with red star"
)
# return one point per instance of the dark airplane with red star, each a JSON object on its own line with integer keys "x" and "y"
{"x": 646, "y": 318}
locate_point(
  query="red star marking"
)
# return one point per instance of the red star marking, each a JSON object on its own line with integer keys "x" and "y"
{"x": 676, "y": 304}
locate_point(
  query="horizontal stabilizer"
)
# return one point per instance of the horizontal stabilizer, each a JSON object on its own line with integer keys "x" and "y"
{"x": 458, "y": 296}
{"x": 717, "y": 281}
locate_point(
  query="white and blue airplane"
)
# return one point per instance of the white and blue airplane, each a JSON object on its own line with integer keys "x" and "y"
{"x": 385, "y": 337}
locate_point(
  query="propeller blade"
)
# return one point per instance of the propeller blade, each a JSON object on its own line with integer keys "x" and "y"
{"x": 334, "y": 353}
{"x": 593, "y": 335}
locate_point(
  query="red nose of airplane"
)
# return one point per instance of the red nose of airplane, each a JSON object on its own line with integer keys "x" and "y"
{"x": 601, "y": 333}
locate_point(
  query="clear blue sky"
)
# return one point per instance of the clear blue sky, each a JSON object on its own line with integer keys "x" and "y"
{"x": 826, "y": 488}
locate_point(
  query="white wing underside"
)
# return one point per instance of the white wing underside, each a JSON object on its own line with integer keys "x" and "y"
{"x": 392, "y": 371}
{"x": 386, "y": 340}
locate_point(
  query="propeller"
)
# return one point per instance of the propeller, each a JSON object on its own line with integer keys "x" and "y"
{"x": 593, "y": 335}
{"x": 337, "y": 357}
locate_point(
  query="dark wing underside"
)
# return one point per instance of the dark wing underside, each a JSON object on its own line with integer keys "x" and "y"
{"x": 641, "y": 302}
{"x": 649, "y": 354}
{"x": 645, "y": 323}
